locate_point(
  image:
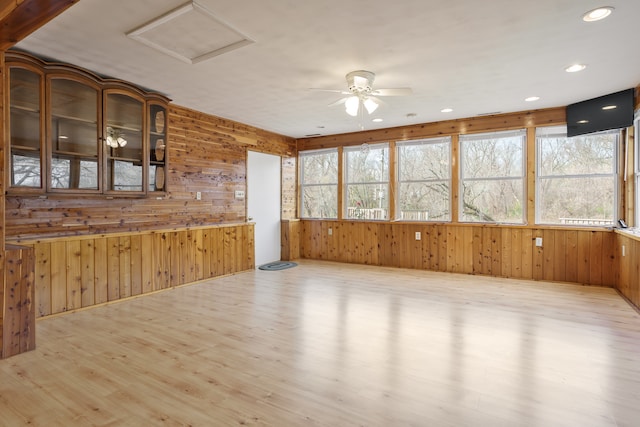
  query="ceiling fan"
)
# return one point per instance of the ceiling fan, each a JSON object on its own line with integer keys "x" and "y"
{"x": 362, "y": 93}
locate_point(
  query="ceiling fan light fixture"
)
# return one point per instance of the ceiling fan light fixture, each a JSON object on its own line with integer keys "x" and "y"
{"x": 351, "y": 105}
{"x": 370, "y": 105}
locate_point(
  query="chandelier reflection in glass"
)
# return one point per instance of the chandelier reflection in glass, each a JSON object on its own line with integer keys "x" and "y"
{"x": 115, "y": 138}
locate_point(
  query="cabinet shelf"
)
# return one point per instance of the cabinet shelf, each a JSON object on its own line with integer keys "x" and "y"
{"x": 22, "y": 108}
{"x": 15, "y": 147}
{"x": 123, "y": 127}
{"x": 73, "y": 154}
{"x": 74, "y": 119}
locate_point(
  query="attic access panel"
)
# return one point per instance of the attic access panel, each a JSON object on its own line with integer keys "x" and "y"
{"x": 190, "y": 33}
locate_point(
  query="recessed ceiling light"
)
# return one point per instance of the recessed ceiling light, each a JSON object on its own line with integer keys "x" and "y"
{"x": 446, "y": 110}
{"x": 575, "y": 68}
{"x": 532, "y": 98}
{"x": 583, "y": 121}
{"x": 609, "y": 107}
{"x": 377, "y": 120}
{"x": 597, "y": 14}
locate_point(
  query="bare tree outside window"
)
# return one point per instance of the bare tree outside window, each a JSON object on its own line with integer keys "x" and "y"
{"x": 319, "y": 184}
{"x": 576, "y": 177}
{"x": 492, "y": 177}
{"x": 367, "y": 182}
{"x": 25, "y": 171}
{"x": 424, "y": 180}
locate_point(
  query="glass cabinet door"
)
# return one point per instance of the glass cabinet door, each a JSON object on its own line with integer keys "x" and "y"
{"x": 25, "y": 101}
{"x": 74, "y": 135}
{"x": 157, "y": 147}
{"x": 123, "y": 139}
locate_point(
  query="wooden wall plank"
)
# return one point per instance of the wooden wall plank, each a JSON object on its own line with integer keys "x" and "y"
{"x": 135, "y": 263}
{"x": 88, "y": 272}
{"x": 251, "y": 247}
{"x": 584, "y": 247}
{"x": 595, "y": 259}
{"x": 113, "y": 268}
{"x": 58, "y": 277}
{"x": 43, "y": 278}
{"x": 74, "y": 275}
{"x": 559, "y": 258}
{"x": 197, "y": 246}
{"x": 516, "y": 253}
{"x": 101, "y": 279}
{"x": 146, "y": 263}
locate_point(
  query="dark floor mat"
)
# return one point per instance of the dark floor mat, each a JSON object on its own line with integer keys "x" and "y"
{"x": 278, "y": 265}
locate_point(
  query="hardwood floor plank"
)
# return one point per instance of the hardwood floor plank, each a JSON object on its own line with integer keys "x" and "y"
{"x": 330, "y": 344}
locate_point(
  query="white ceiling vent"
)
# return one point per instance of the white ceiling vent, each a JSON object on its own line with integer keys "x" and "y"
{"x": 190, "y": 33}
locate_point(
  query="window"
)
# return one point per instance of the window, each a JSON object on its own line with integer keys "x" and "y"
{"x": 576, "y": 177}
{"x": 492, "y": 177}
{"x": 424, "y": 180}
{"x": 319, "y": 184}
{"x": 367, "y": 182}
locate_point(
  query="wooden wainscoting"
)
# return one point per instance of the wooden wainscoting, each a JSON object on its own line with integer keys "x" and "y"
{"x": 585, "y": 256}
{"x": 17, "y": 308}
{"x": 628, "y": 282}
{"x": 289, "y": 239}
{"x": 82, "y": 271}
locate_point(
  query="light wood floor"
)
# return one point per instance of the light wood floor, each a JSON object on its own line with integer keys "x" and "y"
{"x": 327, "y": 344}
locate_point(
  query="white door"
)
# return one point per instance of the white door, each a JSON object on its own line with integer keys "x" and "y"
{"x": 263, "y": 204}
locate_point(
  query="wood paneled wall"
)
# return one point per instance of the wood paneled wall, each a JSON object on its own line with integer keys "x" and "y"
{"x": 17, "y": 306}
{"x": 519, "y": 120}
{"x": 290, "y": 239}
{"x": 575, "y": 255}
{"x": 628, "y": 267}
{"x": 289, "y": 188}
{"x": 205, "y": 154}
{"x": 79, "y": 272}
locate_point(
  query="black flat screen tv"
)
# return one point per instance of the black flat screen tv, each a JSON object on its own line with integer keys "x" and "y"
{"x": 613, "y": 111}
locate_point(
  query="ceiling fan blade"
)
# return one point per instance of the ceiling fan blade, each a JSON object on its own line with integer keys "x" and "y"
{"x": 338, "y": 102}
{"x": 400, "y": 91}
{"x": 330, "y": 90}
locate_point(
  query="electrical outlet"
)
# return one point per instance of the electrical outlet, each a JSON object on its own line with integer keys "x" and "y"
{"x": 198, "y": 195}
{"x": 418, "y": 235}
{"x": 239, "y": 194}
{"x": 539, "y": 242}
{"x": 330, "y": 231}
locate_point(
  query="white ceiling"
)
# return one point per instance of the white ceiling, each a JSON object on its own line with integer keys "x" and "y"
{"x": 476, "y": 57}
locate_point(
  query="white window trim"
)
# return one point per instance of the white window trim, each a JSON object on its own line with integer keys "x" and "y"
{"x": 426, "y": 141}
{"x": 346, "y": 183}
{"x": 561, "y": 131}
{"x": 302, "y": 185}
{"x": 488, "y": 135}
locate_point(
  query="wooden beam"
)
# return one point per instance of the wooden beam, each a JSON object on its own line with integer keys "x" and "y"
{"x": 19, "y": 18}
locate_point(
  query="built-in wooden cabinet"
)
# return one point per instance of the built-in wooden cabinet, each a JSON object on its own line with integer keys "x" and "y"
{"x": 71, "y": 131}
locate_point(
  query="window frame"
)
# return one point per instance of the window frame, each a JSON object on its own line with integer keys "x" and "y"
{"x": 302, "y": 185}
{"x": 346, "y": 183}
{"x": 399, "y": 181}
{"x": 560, "y": 131}
{"x": 465, "y": 138}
